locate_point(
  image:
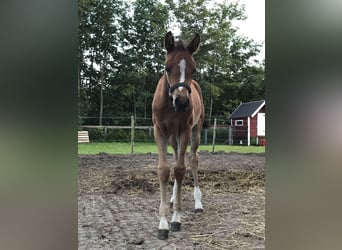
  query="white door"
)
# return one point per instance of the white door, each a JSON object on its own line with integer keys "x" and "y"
{"x": 261, "y": 124}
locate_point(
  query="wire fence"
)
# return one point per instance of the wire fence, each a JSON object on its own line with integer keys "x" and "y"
{"x": 136, "y": 129}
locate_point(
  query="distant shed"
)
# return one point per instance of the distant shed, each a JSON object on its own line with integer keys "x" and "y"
{"x": 247, "y": 123}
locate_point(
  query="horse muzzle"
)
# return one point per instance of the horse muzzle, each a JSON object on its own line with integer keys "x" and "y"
{"x": 180, "y": 100}
{"x": 181, "y": 103}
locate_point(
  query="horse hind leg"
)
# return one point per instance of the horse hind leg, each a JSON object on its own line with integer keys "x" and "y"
{"x": 174, "y": 144}
{"x": 193, "y": 158}
{"x": 176, "y": 217}
{"x": 179, "y": 171}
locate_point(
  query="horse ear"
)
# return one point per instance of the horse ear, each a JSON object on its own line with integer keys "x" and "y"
{"x": 169, "y": 42}
{"x": 194, "y": 44}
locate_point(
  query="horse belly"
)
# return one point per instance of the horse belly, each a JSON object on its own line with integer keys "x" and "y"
{"x": 196, "y": 112}
{"x": 196, "y": 118}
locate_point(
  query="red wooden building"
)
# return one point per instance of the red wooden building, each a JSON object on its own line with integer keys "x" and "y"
{"x": 247, "y": 124}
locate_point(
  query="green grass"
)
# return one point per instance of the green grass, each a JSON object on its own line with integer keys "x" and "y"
{"x": 140, "y": 148}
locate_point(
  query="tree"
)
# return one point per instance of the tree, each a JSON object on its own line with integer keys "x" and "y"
{"x": 223, "y": 59}
{"x": 99, "y": 47}
{"x": 121, "y": 56}
{"x": 148, "y": 25}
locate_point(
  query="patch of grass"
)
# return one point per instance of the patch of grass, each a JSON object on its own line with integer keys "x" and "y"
{"x": 141, "y": 148}
{"x": 229, "y": 148}
{"x": 115, "y": 148}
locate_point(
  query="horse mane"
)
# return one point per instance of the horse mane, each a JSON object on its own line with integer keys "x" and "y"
{"x": 180, "y": 44}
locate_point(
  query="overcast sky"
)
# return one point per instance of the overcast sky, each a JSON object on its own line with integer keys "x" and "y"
{"x": 254, "y": 26}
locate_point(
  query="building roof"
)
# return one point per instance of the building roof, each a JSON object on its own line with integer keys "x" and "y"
{"x": 248, "y": 109}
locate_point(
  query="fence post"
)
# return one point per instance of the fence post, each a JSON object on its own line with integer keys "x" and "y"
{"x": 230, "y": 135}
{"x": 150, "y": 132}
{"x": 214, "y": 135}
{"x": 206, "y": 136}
{"x": 132, "y": 134}
{"x": 248, "y": 131}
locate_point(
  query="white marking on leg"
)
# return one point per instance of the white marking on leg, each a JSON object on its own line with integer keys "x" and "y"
{"x": 174, "y": 192}
{"x": 182, "y": 66}
{"x": 163, "y": 223}
{"x": 198, "y": 197}
{"x": 176, "y": 216}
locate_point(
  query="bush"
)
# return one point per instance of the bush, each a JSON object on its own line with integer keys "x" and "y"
{"x": 144, "y": 135}
{"x": 221, "y": 136}
{"x": 119, "y": 135}
{"x": 96, "y": 134}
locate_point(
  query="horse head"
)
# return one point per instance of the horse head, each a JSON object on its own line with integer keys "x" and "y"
{"x": 179, "y": 69}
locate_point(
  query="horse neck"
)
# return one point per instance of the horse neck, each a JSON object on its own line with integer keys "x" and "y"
{"x": 165, "y": 86}
{"x": 165, "y": 91}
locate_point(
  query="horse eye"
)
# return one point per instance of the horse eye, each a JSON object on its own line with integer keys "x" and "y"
{"x": 168, "y": 70}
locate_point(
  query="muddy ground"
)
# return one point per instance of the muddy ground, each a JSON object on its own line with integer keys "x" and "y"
{"x": 119, "y": 202}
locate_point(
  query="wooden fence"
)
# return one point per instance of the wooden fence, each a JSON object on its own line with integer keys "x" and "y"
{"x": 133, "y": 127}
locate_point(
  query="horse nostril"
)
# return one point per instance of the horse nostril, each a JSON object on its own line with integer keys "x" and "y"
{"x": 181, "y": 103}
{"x": 186, "y": 101}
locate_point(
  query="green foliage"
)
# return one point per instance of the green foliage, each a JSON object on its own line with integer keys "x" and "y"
{"x": 118, "y": 135}
{"x": 221, "y": 136}
{"x": 96, "y": 134}
{"x": 121, "y": 52}
{"x": 227, "y": 75}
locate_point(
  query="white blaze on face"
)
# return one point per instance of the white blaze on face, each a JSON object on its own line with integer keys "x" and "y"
{"x": 182, "y": 66}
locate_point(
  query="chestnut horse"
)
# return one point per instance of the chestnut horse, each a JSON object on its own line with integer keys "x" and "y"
{"x": 178, "y": 116}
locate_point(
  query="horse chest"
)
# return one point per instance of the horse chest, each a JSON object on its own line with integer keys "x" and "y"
{"x": 172, "y": 124}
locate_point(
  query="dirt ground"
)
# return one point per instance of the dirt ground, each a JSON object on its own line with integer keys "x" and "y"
{"x": 119, "y": 199}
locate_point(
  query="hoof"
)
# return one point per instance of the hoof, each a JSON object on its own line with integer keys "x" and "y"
{"x": 175, "y": 226}
{"x": 163, "y": 234}
{"x": 198, "y": 210}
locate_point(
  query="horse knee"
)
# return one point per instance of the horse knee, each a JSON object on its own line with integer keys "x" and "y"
{"x": 179, "y": 173}
{"x": 163, "y": 173}
{"x": 194, "y": 161}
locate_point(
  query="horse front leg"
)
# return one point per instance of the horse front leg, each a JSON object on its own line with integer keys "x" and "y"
{"x": 195, "y": 141}
{"x": 174, "y": 144}
{"x": 163, "y": 175}
{"x": 179, "y": 170}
